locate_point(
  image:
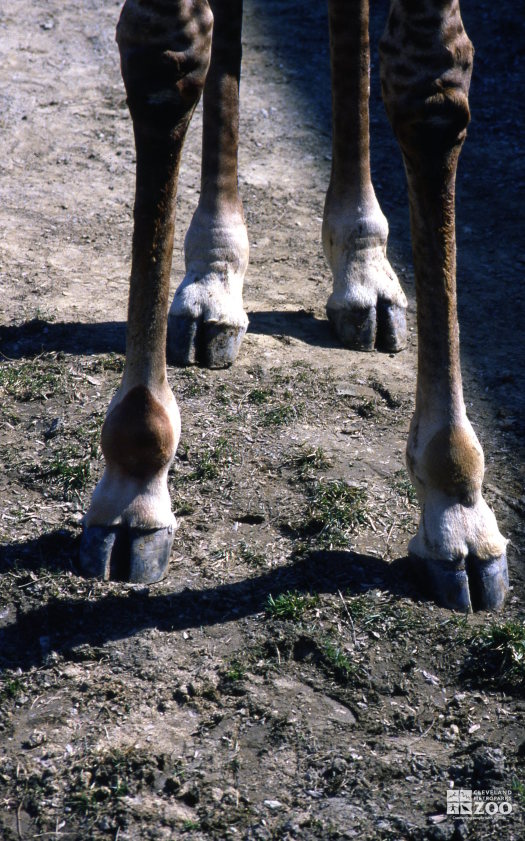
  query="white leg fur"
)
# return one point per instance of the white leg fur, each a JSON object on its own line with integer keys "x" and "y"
{"x": 354, "y": 242}
{"x": 216, "y": 252}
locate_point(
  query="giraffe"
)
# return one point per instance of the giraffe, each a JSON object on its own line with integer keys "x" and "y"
{"x": 171, "y": 52}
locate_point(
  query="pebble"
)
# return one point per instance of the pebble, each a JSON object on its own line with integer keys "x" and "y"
{"x": 273, "y": 804}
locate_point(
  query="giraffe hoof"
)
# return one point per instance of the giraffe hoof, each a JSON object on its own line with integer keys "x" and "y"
{"x": 391, "y": 336}
{"x": 489, "y": 582}
{"x": 354, "y": 327}
{"x": 122, "y": 553}
{"x": 365, "y": 328}
{"x": 466, "y": 586}
{"x": 210, "y": 344}
{"x": 149, "y": 554}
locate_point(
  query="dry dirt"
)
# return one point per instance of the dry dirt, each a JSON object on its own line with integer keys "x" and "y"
{"x": 288, "y": 679}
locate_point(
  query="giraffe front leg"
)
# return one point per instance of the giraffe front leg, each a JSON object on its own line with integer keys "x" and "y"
{"x": 207, "y": 321}
{"x": 367, "y": 306}
{"x": 426, "y": 64}
{"x": 458, "y": 542}
{"x": 128, "y": 530}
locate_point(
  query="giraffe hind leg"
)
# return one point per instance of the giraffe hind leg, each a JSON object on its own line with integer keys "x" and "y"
{"x": 207, "y": 321}
{"x": 367, "y": 305}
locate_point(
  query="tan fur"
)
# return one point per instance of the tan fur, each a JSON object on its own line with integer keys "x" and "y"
{"x": 137, "y": 435}
{"x": 453, "y": 464}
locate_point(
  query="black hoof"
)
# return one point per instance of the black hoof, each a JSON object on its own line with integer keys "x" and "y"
{"x": 465, "y": 586}
{"x": 120, "y": 553}
{"x": 206, "y": 343}
{"x": 364, "y": 328}
{"x": 391, "y": 334}
{"x": 355, "y": 328}
{"x": 489, "y": 582}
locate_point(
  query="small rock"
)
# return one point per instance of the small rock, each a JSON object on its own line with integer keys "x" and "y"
{"x": 430, "y": 678}
{"x": 273, "y": 804}
{"x": 452, "y": 734}
{"x": 231, "y": 796}
{"x": 216, "y": 794}
{"x": 489, "y": 766}
{"x": 56, "y": 427}
{"x": 105, "y": 824}
{"x": 36, "y": 738}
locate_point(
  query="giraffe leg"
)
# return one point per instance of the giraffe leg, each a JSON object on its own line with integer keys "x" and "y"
{"x": 129, "y": 527}
{"x": 207, "y": 321}
{"x": 426, "y": 64}
{"x": 367, "y": 305}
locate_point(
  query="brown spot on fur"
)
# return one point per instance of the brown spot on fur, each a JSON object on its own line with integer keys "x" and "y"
{"x": 453, "y": 464}
{"x": 137, "y": 434}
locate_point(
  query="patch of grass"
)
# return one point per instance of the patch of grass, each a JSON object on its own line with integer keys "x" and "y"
{"x": 304, "y": 371}
{"x": 184, "y": 509}
{"x": 212, "y": 461}
{"x": 190, "y": 383}
{"x": 310, "y": 458}
{"x": 235, "y": 671}
{"x": 518, "y": 791}
{"x": 498, "y": 653}
{"x": 108, "y": 777}
{"x": 258, "y": 396}
{"x": 68, "y": 468}
{"x": 337, "y": 662}
{"x": 38, "y": 379}
{"x": 251, "y": 556}
{"x": 223, "y": 394}
{"x": 401, "y": 483}
{"x": 282, "y": 415}
{"x": 109, "y": 362}
{"x": 381, "y": 614}
{"x": 290, "y": 605}
{"x": 335, "y": 511}
{"x": 10, "y": 689}
{"x": 242, "y": 552}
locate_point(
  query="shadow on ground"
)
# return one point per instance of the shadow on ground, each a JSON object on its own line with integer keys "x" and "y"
{"x": 296, "y": 324}
{"x": 64, "y": 624}
{"x": 37, "y": 336}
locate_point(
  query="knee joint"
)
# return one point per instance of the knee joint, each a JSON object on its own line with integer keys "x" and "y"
{"x": 165, "y": 53}
{"x": 426, "y": 67}
{"x": 433, "y": 126}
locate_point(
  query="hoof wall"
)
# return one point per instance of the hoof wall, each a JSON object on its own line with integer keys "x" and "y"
{"x": 365, "y": 328}
{"x": 120, "y": 553}
{"x": 206, "y": 343}
{"x": 391, "y": 336}
{"x": 489, "y": 582}
{"x": 474, "y": 585}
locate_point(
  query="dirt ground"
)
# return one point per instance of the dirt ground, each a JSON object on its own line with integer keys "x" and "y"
{"x": 289, "y": 679}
